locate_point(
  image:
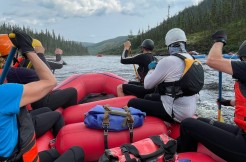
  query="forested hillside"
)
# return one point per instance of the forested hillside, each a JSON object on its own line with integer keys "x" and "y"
{"x": 50, "y": 40}
{"x": 108, "y": 46}
{"x": 199, "y": 22}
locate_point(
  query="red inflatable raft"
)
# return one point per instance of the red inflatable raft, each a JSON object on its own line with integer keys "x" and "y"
{"x": 74, "y": 133}
{"x": 93, "y": 83}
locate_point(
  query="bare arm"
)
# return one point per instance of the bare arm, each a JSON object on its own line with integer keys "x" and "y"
{"x": 36, "y": 90}
{"x": 216, "y": 61}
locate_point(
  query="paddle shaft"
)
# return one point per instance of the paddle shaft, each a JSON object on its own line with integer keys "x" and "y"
{"x": 7, "y": 64}
{"x": 134, "y": 66}
{"x": 220, "y": 95}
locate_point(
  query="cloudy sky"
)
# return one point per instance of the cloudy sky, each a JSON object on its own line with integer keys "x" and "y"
{"x": 90, "y": 20}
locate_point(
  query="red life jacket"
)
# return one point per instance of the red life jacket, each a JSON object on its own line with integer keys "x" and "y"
{"x": 240, "y": 105}
{"x": 18, "y": 62}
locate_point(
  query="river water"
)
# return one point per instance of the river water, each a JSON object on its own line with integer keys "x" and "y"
{"x": 207, "y": 106}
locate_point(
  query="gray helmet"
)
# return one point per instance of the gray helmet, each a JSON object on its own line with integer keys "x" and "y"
{"x": 242, "y": 50}
{"x": 148, "y": 44}
{"x": 175, "y": 35}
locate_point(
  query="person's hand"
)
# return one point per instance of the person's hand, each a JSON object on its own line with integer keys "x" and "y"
{"x": 39, "y": 49}
{"x": 22, "y": 41}
{"x": 58, "y": 51}
{"x": 127, "y": 45}
{"x": 224, "y": 102}
{"x": 220, "y": 36}
{"x": 152, "y": 65}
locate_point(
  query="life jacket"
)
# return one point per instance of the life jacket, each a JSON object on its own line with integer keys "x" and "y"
{"x": 240, "y": 105}
{"x": 17, "y": 61}
{"x": 26, "y": 149}
{"x": 143, "y": 70}
{"x": 190, "y": 83}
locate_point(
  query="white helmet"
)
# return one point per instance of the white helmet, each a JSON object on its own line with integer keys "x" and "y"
{"x": 175, "y": 35}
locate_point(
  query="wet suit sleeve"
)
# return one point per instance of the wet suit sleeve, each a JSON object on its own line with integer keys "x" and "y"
{"x": 41, "y": 56}
{"x": 130, "y": 60}
{"x": 239, "y": 68}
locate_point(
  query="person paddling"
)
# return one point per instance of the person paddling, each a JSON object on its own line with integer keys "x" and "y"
{"x": 166, "y": 75}
{"x": 142, "y": 60}
{"x": 17, "y": 134}
{"x": 225, "y": 140}
{"x": 22, "y": 75}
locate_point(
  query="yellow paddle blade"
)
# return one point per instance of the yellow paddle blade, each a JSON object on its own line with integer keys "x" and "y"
{"x": 220, "y": 117}
{"x": 29, "y": 65}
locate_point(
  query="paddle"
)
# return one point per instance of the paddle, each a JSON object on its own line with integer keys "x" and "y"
{"x": 7, "y": 64}
{"x": 220, "y": 117}
{"x": 134, "y": 66}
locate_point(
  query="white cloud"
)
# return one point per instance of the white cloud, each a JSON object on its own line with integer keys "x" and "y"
{"x": 122, "y": 15}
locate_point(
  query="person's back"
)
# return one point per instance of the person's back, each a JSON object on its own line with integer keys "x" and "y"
{"x": 174, "y": 68}
{"x": 142, "y": 60}
{"x": 170, "y": 106}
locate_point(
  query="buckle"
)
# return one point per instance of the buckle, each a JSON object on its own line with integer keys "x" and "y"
{"x": 52, "y": 143}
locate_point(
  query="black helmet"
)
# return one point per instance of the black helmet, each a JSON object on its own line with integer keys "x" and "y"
{"x": 242, "y": 50}
{"x": 148, "y": 44}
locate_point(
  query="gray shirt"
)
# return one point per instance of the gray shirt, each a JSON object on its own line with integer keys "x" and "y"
{"x": 170, "y": 69}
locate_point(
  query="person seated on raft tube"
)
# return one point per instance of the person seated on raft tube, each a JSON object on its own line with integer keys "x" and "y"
{"x": 142, "y": 60}
{"x": 225, "y": 140}
{"x": 54, "y": 99}
{"x": 168, "y": 69}
{"x": 15, "y": 97}
{"x": 43, "y": 119}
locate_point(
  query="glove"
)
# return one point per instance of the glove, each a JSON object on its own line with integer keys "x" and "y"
{"x": 220, "y": 36}
{"x": 22, "y": 41}
{"x": 224, "y": 102}
{"x": 152, "y": 65}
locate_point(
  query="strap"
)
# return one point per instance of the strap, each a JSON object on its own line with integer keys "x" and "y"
{"x": 129, "y": 122}
{"x": 168, "y": 150}
{"x": 105, "y": 125}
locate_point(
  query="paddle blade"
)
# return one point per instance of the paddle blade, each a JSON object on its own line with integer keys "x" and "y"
{"x": 220, "y": 117}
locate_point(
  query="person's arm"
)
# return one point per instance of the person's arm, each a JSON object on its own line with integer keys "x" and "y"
{"x": 157, "y": 75}
{"x": 35, "y": 90}
{"x": 40, "y": 52}
{"x": 215, "y": 59}
{"x": 125, "y": 59}
{"x": 225, "y": 102}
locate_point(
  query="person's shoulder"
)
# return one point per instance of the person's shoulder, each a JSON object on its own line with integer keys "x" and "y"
{"x": 168, "y": 59}
{"x": 8, "y": 86}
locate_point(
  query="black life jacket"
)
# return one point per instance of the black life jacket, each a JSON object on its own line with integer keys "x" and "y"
{"x": 26, "y": 149}
{"x": 190, "y": 83}
{"x": 143, "y": 70}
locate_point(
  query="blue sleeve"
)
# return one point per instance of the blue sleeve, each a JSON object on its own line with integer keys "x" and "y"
{"x": 10, "y": 98}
